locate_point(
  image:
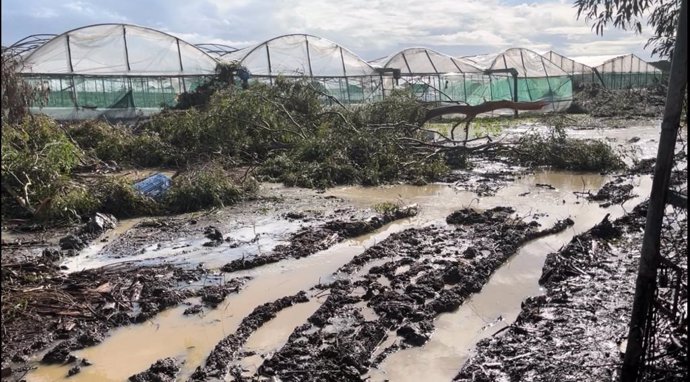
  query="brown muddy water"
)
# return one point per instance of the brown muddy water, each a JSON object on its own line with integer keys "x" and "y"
{"x": 132, "y": 349}
{"x": 171, "y": 334}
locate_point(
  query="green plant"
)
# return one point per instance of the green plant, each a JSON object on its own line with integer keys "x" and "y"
{"x": 557, "y": 150}
{"x": 118, "y": 196}
{"x": 17, "y": 94}
{"x": 385, "y": 208}
{"x": 206, "y": 187}
{"x": 37, "y": 159}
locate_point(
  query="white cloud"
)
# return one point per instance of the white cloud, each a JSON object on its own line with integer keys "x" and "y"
{"x": 370, "y": 28}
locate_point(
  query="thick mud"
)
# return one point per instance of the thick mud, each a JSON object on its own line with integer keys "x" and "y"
{"x": 310, "y": 240}
{"x": 427, "y": 272}
{"x": 576, "y": 331}
{"x": 301, "y": 285}
{"x": 64, "y": 313}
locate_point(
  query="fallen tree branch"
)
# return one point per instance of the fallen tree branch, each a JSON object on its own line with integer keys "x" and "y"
{"x": 471, "y": 112}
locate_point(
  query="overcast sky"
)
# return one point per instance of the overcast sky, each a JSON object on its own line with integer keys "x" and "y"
{"x": 370, "y": 28}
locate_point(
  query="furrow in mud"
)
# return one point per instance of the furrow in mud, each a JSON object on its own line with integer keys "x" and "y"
{"x": 576, "y": 331}
{"x": 428, "y": 271}
{"x": 219, "y": 361}
{"x": 79, "y": 309}
{"x": 310, "y": 240}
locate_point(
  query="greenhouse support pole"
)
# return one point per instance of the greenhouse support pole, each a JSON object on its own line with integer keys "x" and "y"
{"x": 306, "y": 43}
{"x": 645, "y": 284}
{"x": 514, "y": 73}
{"x": 124, "y": 38}
{"x": 179, "y": 55}
{"x": 71, "y": 70}
{"x": 268, "y": 60}
{"x": 347, "y": 82}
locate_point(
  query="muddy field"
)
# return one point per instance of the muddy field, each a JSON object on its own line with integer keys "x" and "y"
{"x": 302, "y": 285}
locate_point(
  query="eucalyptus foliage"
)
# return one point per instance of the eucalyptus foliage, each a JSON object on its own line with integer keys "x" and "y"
{"x": 662, "y": 15}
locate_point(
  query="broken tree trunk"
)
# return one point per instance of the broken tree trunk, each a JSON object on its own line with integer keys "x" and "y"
{"x": 471, "y": 112}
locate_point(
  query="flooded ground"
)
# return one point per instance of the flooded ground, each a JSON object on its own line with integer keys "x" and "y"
{"x": 544, "y": 196}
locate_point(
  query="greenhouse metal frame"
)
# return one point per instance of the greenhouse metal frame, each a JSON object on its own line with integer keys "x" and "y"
{"x": 334, "y": 70}
{"x": 628, "y": 72}
{"x": 580, "y": 73}
{"x": 535, "y": 78}
{"x": 117, "y": 70}
{"x": 435, "y": 77}
{"x": 113, "y": 71}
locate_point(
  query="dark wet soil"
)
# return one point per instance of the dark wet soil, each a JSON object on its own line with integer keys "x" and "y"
{"x": 310, "y": 240}
{"x": 164, "y": 370}
{"x": 395, "y": 288}
{"x": 45, "y": 309}
{"x": 219, "y": 362}
{"x": 576, "y": 330}
{"x": 424, "y": 272}
{"x": 601, "y": 102}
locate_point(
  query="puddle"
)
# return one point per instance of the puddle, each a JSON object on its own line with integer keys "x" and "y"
{"x": 132, "y": 349}
{"x": 261, "y": 236}
{"x": 274, "y": 334}
{"x": 89, "y": 256}
{"x": 498, "y": 303}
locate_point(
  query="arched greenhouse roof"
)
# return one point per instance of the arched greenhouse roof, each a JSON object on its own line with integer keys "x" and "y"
{"x": 216, "y": 50}
{"x": 300, "y": 55}
{"x": 28, "y": 44}
{"x": 426, "y": 61}
{"x": 118, "y": 49}
{"x": 527, "y": 62}
{"x": 568, "y": 64}
{"x": 628, "y": 63}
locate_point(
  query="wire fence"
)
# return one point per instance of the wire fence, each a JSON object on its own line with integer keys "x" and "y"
{"x": 665, "y": 341}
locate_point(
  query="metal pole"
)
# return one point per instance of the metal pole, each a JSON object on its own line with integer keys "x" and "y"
{"x": 306, "y": 43}
{"x": 347, "y": 83}
{"x": 179, "y": 56}
{"x": 645, "y": 284}
{"x": 268, "y": 60}
{"x": 124, "y": 38}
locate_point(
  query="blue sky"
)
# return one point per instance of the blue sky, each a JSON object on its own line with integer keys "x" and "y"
{"x": 371, "y": 28}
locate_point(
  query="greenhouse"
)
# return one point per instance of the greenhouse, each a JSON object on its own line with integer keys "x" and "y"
{"x": 531, "y": 78}
{"x": 579, "y": 72}
{"x": 27, "y": 45}
{"x": 435, "y": 76}
{"x": 216, "y": 50}
{"x": 624, "y": 72}
{"x": 334, "y": 70}
{"x": 113, "y": 71}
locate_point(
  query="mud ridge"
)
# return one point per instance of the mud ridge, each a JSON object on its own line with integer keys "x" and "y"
{"x": 425, "y": 272}
{"x": 219, "y": 362}
{"x": 314, "y": 239}
{"x": 78, "y": 310}
{"x": 576, "y": 330}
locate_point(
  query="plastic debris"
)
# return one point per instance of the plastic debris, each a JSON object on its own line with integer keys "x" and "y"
{"x": 155, "y": 185}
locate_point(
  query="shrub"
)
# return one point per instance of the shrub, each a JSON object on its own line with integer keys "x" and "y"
{"x": 122, "y": 144}
{"x": 556, "y": 150}
{"x": 118, "y": 196}
{"x": 70, "y": 205}
{"x": 206, "y": 187}
{"x": 37, "y": 159}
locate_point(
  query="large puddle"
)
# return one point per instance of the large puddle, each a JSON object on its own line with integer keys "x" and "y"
{"x": 498, "y": 303}
{"x": 132, "y": 349}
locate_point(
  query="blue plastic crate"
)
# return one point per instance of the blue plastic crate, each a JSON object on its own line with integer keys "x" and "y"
{"x": 154, "y": 186}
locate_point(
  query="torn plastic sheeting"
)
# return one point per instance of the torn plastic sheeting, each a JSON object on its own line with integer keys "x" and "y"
{"x": 154, "y": 186}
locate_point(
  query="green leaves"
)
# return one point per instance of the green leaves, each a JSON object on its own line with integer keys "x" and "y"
{"x": 630, "y": 14}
